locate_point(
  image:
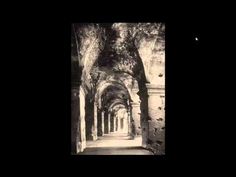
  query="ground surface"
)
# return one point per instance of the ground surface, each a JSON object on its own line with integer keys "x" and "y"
{"x": 115, "y": 144}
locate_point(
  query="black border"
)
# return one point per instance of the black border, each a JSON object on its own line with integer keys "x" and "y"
{"x": 180, "y": 46}
{"x": 47, "y": 122}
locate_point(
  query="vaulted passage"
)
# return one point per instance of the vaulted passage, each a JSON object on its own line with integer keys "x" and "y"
{"x": 118, "y": 89}
{"x": 115, "y": 144}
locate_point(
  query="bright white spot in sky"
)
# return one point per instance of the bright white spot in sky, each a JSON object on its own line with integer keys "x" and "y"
{"x": 196, "y": 38}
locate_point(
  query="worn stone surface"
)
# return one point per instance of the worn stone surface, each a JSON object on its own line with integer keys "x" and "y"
{"x": 155, "y": 112}
{"x": 136, "y": 114}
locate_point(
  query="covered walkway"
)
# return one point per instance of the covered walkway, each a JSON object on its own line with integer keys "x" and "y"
{"x": 116, "y": 144}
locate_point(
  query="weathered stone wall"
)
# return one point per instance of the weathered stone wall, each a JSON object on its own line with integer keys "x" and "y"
{"x": 152, "y": 52}
{"x": 156, "y": 122}
{"x": 136, "y": 114}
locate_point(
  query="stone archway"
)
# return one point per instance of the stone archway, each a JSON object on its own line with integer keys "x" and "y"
{"x": 128, "y": 57}
{"x": 106, "y": 96}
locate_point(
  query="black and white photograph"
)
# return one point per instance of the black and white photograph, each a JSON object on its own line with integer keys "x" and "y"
{"x": 97, "y": 88}
{"x": 118, "y": 88}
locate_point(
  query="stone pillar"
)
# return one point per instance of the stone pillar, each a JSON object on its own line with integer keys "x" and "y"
{"x": 118, "y": 124}
{"x": 156, "y": 122}
{"x": 106, "y": 122}
{"x": 94, "y": 126}
{"x": 109, "y": 122}
{"x": 129, "y": 121}
{"x": 91, "y": 121}
{"x": 75, "y": 119}
{"x": 100, "y": 123}
{"x": 78, "y": 120}
{"x": 122, "y": 124}
{"x": 115, "y": 124}
{"x": 102, "y": 117}
{"x": 82, "y": 144}
{"x": 126, "y": 122}
{"x": 136, "y": 117}
{"x": 112, "y": 122}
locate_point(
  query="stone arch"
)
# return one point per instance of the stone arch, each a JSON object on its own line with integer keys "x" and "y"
{"x": 104, "y": 85}
{"x": 114, "y": 108}
{"x": 101, "y": 113}
{"x": 118, "y": 102}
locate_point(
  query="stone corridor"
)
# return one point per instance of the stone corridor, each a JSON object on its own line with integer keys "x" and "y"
{"x": 115, "y": 140}
{"x": 116, "y": 144}
{"x": 118, "y": 88}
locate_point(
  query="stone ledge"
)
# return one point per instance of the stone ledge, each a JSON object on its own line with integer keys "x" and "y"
{"x": 155, "y": 86}
{"x": 153, "y": 89}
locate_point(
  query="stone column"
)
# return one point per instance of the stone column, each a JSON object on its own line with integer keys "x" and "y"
{"x": 82, "y": 145}
{"x": 91, "y": 121}
{"x": 78, "y": 120}
{"x": 111, "y": 122}
{"x": 156, "y": 122}
{"x": 126, "y": 122}
{"x": 75, "y": 120}
{"x": 94, "y": 127}
{"x": 115, "y": 126}
{"x": 117, "y": 120}
{"x": 129, "y": 121}
{"x": 118, "y": 125}
{"x": 100, "y": 123}
{"x": 106, "y": 122}
{"x": 136, "y": 117}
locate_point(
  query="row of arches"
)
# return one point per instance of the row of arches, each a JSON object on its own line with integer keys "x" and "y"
{"x": 110, "y": 90}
